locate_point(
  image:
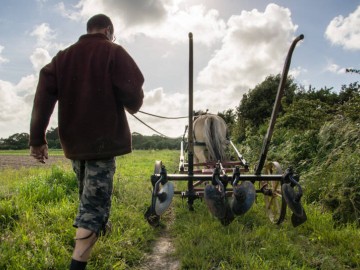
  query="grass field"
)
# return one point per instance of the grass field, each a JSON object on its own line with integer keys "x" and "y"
{"x": 38, "y": 205}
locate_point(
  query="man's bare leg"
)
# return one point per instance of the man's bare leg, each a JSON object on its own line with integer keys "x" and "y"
{"x": 85, "y": 240}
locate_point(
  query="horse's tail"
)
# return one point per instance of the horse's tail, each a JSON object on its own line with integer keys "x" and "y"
{"x": 213, "y": 139}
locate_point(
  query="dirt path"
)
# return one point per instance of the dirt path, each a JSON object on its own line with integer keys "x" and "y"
{"x": 161, "y": 256}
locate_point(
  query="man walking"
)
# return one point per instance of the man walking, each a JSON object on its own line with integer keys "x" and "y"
{"x": 94, "y": 81}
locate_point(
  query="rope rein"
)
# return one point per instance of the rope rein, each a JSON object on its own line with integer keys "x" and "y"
{"x": 162, "y": 135}
{"x": 163, "y": 117}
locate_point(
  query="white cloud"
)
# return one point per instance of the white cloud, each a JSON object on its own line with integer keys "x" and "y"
{"x": 39, "y": 58}
{"x": 296, "y": 71}
{"x": 205, "y": 24}
{"x": 131, "y": 12}
{"x": 26, "y": 85}
{"x": 345, "y": 31}
{"x": 16, "y": 102}
{"x": 334, "y": 68}
{"x": 14, "y": 110}
{"x": 255, "y": 46}
{"x": 167, "y": 105}
{"x": 2, "y": 59}
{"x": 45, "y": 38}
{"x": 44, "y": 34}
{"x": 156, "y": 19}
{"x": 16, "y": 99}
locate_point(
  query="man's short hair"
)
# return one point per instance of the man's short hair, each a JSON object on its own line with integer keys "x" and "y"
{"x": 99, "y": 21}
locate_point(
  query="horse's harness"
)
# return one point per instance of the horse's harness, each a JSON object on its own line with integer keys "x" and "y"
{"x": 197, "y": 143}
{"x": 203, "y": 144}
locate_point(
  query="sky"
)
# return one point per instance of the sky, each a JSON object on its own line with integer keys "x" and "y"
{"x": 237, "y": 44}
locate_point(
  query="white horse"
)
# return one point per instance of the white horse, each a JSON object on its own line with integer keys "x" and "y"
{"x": 210, "y": 138}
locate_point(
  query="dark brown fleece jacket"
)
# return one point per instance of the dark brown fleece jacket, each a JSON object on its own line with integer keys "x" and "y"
{"x": 93, "y": 81}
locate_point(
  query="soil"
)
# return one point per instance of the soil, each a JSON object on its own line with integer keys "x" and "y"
{"x": 18, "y": 161}
{"x": 161, "y": 255}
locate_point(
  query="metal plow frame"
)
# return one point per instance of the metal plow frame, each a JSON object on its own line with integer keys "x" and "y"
{"x": 225, "y": 176}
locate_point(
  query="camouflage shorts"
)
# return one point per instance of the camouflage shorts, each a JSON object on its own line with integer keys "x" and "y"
{"x": 95, "y": 178}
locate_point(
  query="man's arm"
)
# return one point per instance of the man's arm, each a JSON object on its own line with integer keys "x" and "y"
{"x": 44, "y": 103}
{"x": 128, "y": 80}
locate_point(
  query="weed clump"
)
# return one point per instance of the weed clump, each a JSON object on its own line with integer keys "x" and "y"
{"x": 8, "y": 214}
{"x": 53, "y": 187}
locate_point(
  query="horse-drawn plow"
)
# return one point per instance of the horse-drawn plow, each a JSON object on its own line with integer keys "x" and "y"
{"x": 227, "y": 186}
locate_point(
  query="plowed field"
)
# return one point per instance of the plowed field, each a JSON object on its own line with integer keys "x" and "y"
{"x": 18, "y": 161}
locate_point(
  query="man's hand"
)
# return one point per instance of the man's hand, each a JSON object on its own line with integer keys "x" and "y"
{"x": 40, "y": 153}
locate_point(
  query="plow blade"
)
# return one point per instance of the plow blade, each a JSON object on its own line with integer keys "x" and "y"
{"x": 218, "y": 205}
{"x": 243, "y": 198}
{"x": 293, "y": 201}
{"x": 298, "y": 220}
{"x": 152, "y": 218}
{"x": 164, "y": 198}
{"x": 215, "y": 201}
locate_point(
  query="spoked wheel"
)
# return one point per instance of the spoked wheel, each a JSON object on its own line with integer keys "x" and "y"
{"x": 275, "y": 204}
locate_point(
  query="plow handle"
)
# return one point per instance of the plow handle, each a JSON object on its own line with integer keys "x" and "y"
{"x": 190, "y": 126}
{"x": 280, "y": 93}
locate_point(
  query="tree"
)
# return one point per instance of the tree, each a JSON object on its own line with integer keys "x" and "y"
{"x": 257, "y": 107}
{"x": 154, "y": 142}
{"x": 15, "y": 142}
{"x": 305, "y": 114}
{"x": 52, "y": 137}
{"x": 325, "y": 95}
{"x": 352, "y": 70}
{"x": 229, "y": 117}
{"x": 348, "y": 92}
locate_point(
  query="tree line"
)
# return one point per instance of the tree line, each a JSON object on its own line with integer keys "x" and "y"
{"x": 300, "y": 108}
{"x": 21, "y": 141}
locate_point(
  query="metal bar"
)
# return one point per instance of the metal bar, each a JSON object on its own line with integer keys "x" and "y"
{"x": 208, "y": 177}
{"x": 240, "y": 156}
{"x": 182, "y": 158}
{"x": 280, "y": 93}
{"x": 200, "y": 192}
{"x": 190, "y": 128}
{"x": 224, "y": 163}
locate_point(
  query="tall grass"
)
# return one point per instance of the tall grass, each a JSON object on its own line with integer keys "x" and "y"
{"x": 38, "y": 206}
{"x": 252, "y": 242}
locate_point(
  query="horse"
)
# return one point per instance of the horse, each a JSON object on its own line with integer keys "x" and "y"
{"x": 210, "y": 138}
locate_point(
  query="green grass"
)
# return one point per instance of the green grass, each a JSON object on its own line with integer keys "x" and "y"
{"x": 38, "y": 205}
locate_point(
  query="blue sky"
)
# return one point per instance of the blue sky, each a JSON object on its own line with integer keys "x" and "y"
{"x": 237, "y": 43}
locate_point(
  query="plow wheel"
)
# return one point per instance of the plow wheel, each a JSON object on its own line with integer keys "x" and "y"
{"x": 275, "y": 204}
